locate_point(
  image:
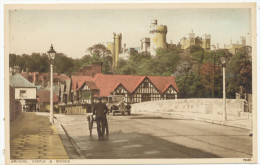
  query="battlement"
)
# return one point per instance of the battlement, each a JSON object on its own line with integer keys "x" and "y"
{"x": 158, "y": 29}
{"x": 207, "y": 36}
{"x": 145, "y": 39}
{"x": 118, "y": 36}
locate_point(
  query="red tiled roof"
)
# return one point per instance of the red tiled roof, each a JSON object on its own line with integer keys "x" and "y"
{"x": 79, "y": 80}
{"x": 163, "y": 82}
{"x": 41, "y": 76}
{"x": 43, "y": 96}
{"x": 108, "y": 83}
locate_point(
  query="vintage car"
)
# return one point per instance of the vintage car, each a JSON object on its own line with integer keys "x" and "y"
{"x": 116, "y": 104}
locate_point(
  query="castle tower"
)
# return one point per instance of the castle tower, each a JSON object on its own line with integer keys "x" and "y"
{"x": 157, "y": 37}
{"x": 206, "y": 42}
{"x": 145, "y": 45}
{"x": 117, "y": 48}
{"x": 192, "y": 38}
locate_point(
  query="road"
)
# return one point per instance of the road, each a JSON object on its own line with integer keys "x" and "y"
{"x": 143, "y": 136}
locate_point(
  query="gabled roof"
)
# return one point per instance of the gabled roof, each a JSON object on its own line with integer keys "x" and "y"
{"x": 19, "y": 81}
{"x": 106, "y": 84}
{"x": 43, "y": 96}
{"x": 163, "y": 82}
{"x": 76, "y": 80}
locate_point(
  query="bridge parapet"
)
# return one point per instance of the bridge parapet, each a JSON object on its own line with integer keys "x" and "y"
{"x": 202, "y": 106}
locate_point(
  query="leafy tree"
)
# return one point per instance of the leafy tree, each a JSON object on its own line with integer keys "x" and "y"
{"x": 99, "y": 50}
{"x": 190, "y": 86}
{"x": 12, "y": 60}
{"x": 63, "y": 64}
{"x": 239, "y": 72}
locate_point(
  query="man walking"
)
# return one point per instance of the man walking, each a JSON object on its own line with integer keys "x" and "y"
{"x": 100, "y": 110}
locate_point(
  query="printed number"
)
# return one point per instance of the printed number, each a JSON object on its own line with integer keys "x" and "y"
{"x": 247, "y": 160}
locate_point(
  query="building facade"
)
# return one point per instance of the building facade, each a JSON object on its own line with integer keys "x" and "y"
{"x": 24, "y": 91}
{"x": 204, "y": 42}
{"x": 135, "y": 89}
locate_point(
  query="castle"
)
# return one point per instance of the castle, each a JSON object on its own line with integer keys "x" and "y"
{"x": 196, "y": 41}
{"x": 156, "y": 40}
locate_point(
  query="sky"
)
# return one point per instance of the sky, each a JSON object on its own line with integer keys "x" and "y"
{"x": 72, "y": 31}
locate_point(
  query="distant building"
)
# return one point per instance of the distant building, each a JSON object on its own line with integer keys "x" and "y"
{"x": 115, "y": 48}
{"x": 86, "y": 89}
{"x": 233, "y": 48}
{"x": 157, "y": 37}
{"x": 43, "y": 100}
{"x": 43, "y": 79}
{"x": 145, "y": 45}
{"x": 156, "y": 40}
{"x": 204, "y": 42}
{"x": 24, "y": 91}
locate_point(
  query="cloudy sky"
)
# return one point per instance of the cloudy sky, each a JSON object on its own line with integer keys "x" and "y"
{"x": 73, "y": 31}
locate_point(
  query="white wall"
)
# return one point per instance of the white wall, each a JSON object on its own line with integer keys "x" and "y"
{"x": 206, "y": 106}
{"x": 30, "y": 93}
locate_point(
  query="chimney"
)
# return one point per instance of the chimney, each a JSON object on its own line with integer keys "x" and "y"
{"x": 96, "y": 67}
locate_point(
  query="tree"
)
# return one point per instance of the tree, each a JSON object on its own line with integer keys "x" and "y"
{"x": 239, "y": 72}
{"x": 63, "y": 64}
{"x": 98, "y": 50}
{"x": 190, "y": 86}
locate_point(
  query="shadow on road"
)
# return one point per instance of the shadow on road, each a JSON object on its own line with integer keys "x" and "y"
{"x": 135, "y": 145}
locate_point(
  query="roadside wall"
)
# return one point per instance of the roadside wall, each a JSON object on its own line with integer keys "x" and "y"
{"x": 204, "y": 106}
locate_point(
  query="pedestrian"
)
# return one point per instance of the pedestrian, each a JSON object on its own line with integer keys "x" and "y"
{"x": 100, "y": 110}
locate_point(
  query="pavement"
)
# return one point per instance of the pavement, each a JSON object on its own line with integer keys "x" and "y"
{"x": 232, "y": 121}
{"x": 144, "y": 136}
{"x": 33, "y": 137}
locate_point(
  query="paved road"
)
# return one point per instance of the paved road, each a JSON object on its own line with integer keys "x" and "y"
{"x": 142, "y": 136}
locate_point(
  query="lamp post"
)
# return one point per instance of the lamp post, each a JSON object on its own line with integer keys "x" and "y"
{"x": 51, "y": 54}
{"x": 223, "y": 61}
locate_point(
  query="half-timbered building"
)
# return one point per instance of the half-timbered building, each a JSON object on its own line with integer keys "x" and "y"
{"x": 86, "y": 89}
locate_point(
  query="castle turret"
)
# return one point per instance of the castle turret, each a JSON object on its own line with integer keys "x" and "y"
{"x": 117, "y": 48}
{"x": 157, "y": 37}
{"x": 192, "y": 38}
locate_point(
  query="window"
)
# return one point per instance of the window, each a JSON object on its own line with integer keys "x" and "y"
{"x": 22, "y": 93}
{"x": 146, "y": 84}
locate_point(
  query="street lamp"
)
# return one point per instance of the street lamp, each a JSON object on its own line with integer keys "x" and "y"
{"x": 223, "y": 61}
{"x": 51, "y": 54}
